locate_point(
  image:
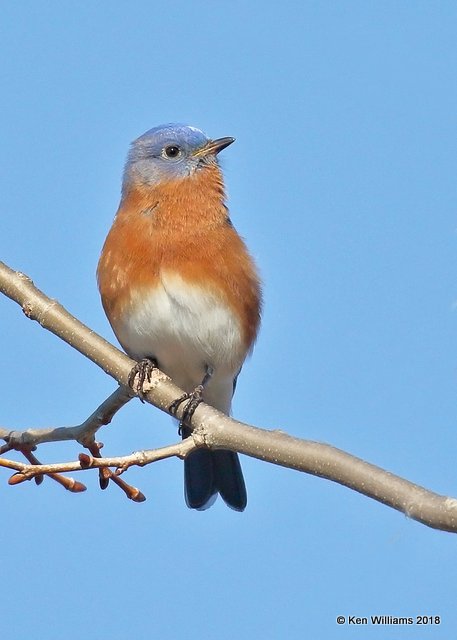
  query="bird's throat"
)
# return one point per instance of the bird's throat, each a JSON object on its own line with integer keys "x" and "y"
{"x": 190, "y": 204}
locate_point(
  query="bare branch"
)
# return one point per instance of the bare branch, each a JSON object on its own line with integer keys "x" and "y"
{"x": 67, "y": 483}
{"x": 83, "y": 433}
{"x": 120, "y": 463}
{"x": 213, "y": 429}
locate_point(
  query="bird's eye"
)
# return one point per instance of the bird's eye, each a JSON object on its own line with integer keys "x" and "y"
{"x": 172, "y": 151}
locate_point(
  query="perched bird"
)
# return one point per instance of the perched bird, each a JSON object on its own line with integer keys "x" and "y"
{"x": 180, "y": 289}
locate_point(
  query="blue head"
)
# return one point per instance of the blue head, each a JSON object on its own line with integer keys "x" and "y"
{"x": 169, "y": 152}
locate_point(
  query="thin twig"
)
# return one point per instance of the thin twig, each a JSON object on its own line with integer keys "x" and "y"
{"x": 67, "y": 483}
{"x": 105, "y": 475}
{"x": 83, "y": 433}
{"x": 120, "y": 463}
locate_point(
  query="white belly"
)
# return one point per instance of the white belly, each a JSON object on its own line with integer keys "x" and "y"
{"x": 186, "y": 329}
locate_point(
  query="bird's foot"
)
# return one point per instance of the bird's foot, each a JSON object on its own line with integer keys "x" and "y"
{"x": 140, "y": 373}
{"x": 193, "y": 400}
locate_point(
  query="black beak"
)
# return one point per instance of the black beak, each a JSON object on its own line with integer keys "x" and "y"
{"x": 213, "y": 147}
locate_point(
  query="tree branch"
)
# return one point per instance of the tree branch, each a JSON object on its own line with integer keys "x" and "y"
{"x": 210, "y": 427}
{"x": 120, "y": 463}
{"x": 83, "y": 433}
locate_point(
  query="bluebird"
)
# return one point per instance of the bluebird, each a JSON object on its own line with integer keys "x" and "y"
{"x": 180, "y": 289}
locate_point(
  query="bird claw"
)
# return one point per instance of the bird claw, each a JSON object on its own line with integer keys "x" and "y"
{"x": 140, "y": 373}
{"x": 193, "y": 400}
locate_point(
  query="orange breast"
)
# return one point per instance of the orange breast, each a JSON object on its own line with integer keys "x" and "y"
{"x": 181, "y": 226}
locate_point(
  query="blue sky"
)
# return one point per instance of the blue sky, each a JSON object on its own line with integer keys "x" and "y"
{"x": 342, "y": 181}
